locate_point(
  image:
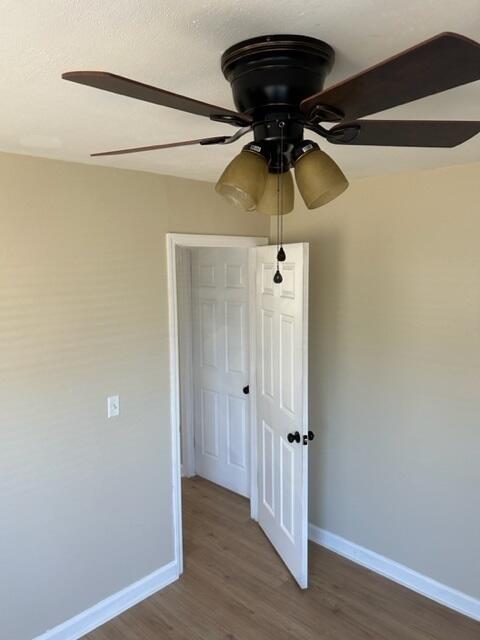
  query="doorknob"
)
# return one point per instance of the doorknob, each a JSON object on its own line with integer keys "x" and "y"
{"x": 293, "y": 437}
{"x": 246, "y": 390}
{"x": 311, "y": 435}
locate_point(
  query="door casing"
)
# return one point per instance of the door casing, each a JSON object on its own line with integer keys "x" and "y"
{"x": 178, "y": 370}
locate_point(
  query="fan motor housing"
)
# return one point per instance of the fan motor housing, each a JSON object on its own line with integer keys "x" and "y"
{"x": 270, "y": 76}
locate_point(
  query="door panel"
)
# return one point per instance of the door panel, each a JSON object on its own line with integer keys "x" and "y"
{"x": 268, "y": 467}
{"x": 287, "y": 373}
{"x": 235, "y": 346}
{"x": 221, "y": 366}
{"x": 281, "y": 346}
{"x": 210, "y": 427}
{"x": 236, "y": 432}
{"x": 267, "y": 353}
{"x": 208, "y": 331}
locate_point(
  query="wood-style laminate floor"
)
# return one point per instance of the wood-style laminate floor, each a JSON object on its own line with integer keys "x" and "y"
{"x": 236, "y": 588}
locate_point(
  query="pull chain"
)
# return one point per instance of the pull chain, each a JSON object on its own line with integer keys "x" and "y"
{"x": 281, "y": 257}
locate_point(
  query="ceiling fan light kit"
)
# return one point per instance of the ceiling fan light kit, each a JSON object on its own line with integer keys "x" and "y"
{"x": 243, "y": 181}
{"x": 319, "y": 178}
{"x": 278, "y": 195}
{"x": 277, "y": 85}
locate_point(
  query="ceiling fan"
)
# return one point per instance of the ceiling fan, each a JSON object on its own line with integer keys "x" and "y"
{"x": 277, "y": 84}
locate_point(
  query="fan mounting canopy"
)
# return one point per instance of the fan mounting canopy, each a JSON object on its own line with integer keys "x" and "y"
{"x": 276, "y": 72}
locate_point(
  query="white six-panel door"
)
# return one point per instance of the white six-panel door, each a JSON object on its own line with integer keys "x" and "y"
{"x": 220, "y": 366}
{"x": 282, "y": 403}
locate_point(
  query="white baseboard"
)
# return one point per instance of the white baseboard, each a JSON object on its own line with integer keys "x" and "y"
{"x": 112, "y": 606}
{"x": 415, "y": 581}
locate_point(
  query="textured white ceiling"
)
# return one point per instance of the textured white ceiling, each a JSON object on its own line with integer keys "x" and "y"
{"x": 176, "y": 44}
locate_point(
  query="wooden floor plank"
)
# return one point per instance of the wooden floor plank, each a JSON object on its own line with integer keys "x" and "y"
{"x": 235, "y": 587}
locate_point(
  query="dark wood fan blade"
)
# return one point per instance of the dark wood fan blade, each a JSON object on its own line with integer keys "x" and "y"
{"x": 126, "y": 87}
{"x": 404, "y": 133}
{"x": 448, "y": 60}
{"x": 154, "y": 147}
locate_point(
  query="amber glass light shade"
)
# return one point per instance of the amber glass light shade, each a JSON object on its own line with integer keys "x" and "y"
{"x": 319, "y": 178}
{"x": 243, "y": 181}
{"x": 269, "y": 202}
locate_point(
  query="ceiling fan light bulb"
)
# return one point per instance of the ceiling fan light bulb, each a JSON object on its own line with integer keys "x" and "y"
{"x": 319, "y": 178}
{"x": 243, "y": 181}
{"x": 269, "y": 202}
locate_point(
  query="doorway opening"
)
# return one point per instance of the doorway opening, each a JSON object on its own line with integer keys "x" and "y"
{"x": 238, "y": 366}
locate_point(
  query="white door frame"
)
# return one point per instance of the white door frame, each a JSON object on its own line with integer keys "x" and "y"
{"x": 175, "y": 240}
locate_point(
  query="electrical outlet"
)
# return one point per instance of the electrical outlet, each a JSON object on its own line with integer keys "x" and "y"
{"x": 113, "y": 406}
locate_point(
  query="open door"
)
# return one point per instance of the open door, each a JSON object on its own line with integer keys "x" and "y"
{"x": 281, "y": 352}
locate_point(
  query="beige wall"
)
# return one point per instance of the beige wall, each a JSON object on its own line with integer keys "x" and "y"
{"x": 395, "y": 368}
{"x": 85, "y": 502}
